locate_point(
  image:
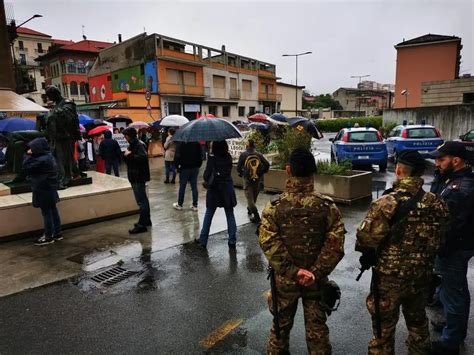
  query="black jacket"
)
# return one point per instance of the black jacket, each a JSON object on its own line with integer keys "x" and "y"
{"x": 221, "y": 193}
{"x": 109, "y": 149}
{"x": 138, "y": 169}
{"x": 457, "y": 191}
{"x": 188, "y": 155}
{"x": 42, "y": 172}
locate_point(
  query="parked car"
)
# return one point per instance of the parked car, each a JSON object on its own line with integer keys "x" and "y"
{"x": 468, "y": 140}
{"x": 423, "y": 138}
{"x": 362, "y": 146}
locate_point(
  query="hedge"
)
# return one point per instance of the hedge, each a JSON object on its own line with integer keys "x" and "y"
{"x": 335, "y": 125}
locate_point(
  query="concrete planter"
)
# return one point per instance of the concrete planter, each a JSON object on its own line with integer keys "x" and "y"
{"x": 356, "y": 185}
{"x": 348, "y": 188}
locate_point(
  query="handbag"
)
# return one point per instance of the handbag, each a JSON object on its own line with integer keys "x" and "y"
{"x": 211, "y": 181}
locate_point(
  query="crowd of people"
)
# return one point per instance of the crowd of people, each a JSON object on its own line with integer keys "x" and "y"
{"x": 406, "y": 234}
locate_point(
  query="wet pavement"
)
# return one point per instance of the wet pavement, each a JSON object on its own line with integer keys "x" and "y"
{"x": 177, "y": 298}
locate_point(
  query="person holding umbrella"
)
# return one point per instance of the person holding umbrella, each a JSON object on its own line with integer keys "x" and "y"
{"x": 220, "y": 192}
{"x": 138, "y": 171}
{"x": 170, "y": 152}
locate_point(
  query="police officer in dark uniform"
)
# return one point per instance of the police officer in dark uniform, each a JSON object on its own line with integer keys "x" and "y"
{"x": 454, "y": 183}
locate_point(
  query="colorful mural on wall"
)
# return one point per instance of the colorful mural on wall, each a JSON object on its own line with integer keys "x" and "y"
{"x": 128, "y": 79}
{"x": 151, "y": 76}
{"x": 100, "y": 88}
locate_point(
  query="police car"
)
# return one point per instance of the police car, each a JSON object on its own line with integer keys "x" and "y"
{"x": 468, "y": 140}
{"x": 423, "y": 138}
{"x": 362, "y": 146}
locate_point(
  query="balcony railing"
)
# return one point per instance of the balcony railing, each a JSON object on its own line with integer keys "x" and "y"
{"x": 269, "y": 96}
{"x": 181, "y": 89}
{"x": 234, "y": 94}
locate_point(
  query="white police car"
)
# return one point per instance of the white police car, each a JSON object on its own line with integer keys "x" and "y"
{"x": 423, "y": 138}
{"x": 362, "y": 146}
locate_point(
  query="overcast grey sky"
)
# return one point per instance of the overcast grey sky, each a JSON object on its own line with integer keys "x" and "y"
{"x": 350, "y": 37}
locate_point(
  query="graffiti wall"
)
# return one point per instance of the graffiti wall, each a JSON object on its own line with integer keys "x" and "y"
{"x": 100, "y": 88}
{"x": 128, "y": 79}
{"x": 151, "y": 77}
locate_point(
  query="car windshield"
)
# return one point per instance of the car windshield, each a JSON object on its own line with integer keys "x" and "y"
{"x": 422, "y": 133}
{"x": 469, "y": 136}
{"x": 363, "y": 137}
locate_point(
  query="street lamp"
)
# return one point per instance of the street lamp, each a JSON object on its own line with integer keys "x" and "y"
{"x": 31, "y": 18}
{"x": 296, "y": 86}
{"x": 405, "y": 93}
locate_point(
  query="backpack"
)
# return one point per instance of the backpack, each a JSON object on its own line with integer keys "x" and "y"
{"x": 253, "y": 168}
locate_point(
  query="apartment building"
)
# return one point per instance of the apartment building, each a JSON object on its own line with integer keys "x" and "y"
{"x": 66, "y": 63}
{"x": 163, "y": 76}
{"x": 30, "y": 78}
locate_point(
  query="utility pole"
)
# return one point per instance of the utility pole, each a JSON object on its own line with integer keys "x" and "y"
{"x": 360, "y": 80}
{"x": 7, "y": 80}
{"x": 296, "y": 86}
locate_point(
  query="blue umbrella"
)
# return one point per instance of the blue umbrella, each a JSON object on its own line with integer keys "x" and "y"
{"x": 84, "y": 119}
{"x": 258, "y": 125}
{"x": 17, "y": 124}
{"x": 156, "y": 123}
{"x": 295, "y": 120}
{"x": 278, "y": 118}
{"x": 206, "y": 129}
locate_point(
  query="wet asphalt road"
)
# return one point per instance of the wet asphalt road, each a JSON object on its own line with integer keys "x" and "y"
{"x": 185, "y": 300}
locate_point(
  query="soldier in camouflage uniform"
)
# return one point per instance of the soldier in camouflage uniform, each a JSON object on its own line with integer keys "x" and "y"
{"x": 302, "y": 236}
{"x": 403, "y": 254}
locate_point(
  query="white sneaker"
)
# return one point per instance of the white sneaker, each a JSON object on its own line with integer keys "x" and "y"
{"x": 177, "y": 207}
{"x": 193, "y": 208}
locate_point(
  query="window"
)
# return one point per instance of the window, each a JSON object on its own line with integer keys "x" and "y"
{"x": 189, "y": 78}
{"x": 73, "y": 88}
{"x": 82, "y": 88}
{"x": 395, "y": 133}
{"x": 20, "y": 45}
{"x": 362, "y": 137}
{"x": 42, "y": 72}
{"x": 264, "y": 88}
{"x": 225, "y": 111}
{"x": 247, "y": 85}
{"x": 40, "y": 48}
{"x": 422, "y": 133}
{"x": 43, "y": 85}
{"x": 172, "y": 76}
{"x": 218, "y": 82}
{"x": 213, "y": 110}
{"x": 71, "y": 66}
{"x": 251, "y": 110}
{"x": 81, "y": 68}
{"x": 233, "y": 83}
{"x": 468, "y": 98}
{"x": 241, "y": 111}
{"x": 174, "y": 108}
{"x": 22, "y": 59}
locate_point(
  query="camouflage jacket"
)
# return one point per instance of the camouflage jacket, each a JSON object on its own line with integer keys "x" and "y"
{"x": 302, "y": 229}
{"x": 413, "y": 242}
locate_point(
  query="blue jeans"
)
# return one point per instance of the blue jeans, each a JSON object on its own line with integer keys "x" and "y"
{"x": 454, "y": 295}
{"x": 191, "y": 176}
{"x": 51, "y": 221}
{"x": 109, "y": 164}
{"x": 170, "y": 168}
{"x": 139, "y": 191}
{"x": 206, "y": 225}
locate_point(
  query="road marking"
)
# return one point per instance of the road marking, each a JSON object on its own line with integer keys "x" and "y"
{"x": 220, "y": 333}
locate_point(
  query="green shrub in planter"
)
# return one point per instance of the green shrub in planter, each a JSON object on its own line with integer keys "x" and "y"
{"x": 335, "y": 125}
{"x": 261, "y": 143}
{"x": 387, "y": 127}
{"x": 326, "y": 167}
{"x": 291, "y": 140}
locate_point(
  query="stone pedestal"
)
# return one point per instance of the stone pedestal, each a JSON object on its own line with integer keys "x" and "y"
{"x": 107, "y": 197}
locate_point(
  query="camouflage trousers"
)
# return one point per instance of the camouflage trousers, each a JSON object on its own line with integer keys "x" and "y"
{"x": 411, "y": 297}
{"x": 317, "y": 333}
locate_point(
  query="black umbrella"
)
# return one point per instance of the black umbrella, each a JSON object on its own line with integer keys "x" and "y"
{"x": 307, "y": 125}
{"x": 206, "y": 129}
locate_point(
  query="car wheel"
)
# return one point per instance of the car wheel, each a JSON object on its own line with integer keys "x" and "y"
{"x": 383, "y": 167}
{"x": 333, "y": 159}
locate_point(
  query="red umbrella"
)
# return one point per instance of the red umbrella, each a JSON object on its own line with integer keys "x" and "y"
{"x": 209, "y": 115}
{"x": 259, "y": 117}
{"x": 98, "y": 130}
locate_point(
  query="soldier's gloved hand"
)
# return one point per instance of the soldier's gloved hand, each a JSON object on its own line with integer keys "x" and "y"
{"x": 368, "y": 259}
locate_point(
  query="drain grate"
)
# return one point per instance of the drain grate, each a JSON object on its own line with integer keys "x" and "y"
{"x": 112, "y": 276}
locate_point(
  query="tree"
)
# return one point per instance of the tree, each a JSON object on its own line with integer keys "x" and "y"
{"x": 326, "y": 101}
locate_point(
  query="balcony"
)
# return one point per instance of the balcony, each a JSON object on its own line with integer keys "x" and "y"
{"x": 234, "y": 94}
{"x": 181, "y": 89}
{"x": 269, "y": 96}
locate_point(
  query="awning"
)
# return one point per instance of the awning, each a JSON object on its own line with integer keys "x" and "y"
{"x": 11, "y": 101}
